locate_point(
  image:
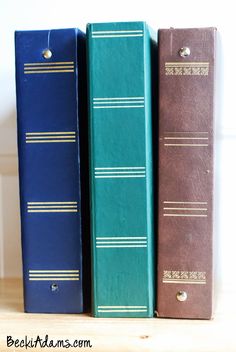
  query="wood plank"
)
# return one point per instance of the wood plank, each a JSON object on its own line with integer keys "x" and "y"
{"x": 118, "y": 335}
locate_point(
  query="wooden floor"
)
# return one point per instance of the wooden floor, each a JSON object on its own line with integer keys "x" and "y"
{"x": 118, "y": 334}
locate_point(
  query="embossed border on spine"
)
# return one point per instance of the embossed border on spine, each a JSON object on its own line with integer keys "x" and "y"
{"x": 186, "y": 68}
{"x": 184, "y": 277}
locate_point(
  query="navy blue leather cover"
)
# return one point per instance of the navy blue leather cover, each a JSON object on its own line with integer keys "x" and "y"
{"x": 49, "y": 168}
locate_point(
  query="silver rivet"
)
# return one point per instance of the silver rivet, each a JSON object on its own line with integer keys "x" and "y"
{"x": 181, "y": 296}
{"x": 47, "y": 54}
{"x": 54, "y": 287}
{"x": 185, "y": 51}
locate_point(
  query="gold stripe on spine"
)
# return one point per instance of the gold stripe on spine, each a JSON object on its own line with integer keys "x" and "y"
{"x": 186, "y": 132}
{"x": 185, "y": 145}
{"x": 205, "y": 64}
{"x": 53, "y": 141}
{"x": 51, "y": 203}
{"x": 54, "y": 275}
{"x": 187, "y": 215}
{"x": 184, "y": 209}
{"x": 49, "y": 63}
{"x": 122, "y": 311}
{"x": 47, "y": 67}
{"x": 185, "y": 139}
{"x": 172, "y": 202}
{"x": 167, "y": 208}
{"x": 53, "y": 271}
{"x": 52, "y": 207}
{"x": 53, "y": 211}
{"x": 48, "y": 133}
{"x": 47, "y": 71}
{"x": 50, "y": 137}
{"x": 54, "y": 279}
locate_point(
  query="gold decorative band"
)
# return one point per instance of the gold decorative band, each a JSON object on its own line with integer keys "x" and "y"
{"x": 49, "y": 63}
{"x": 48, "y": 71}
{"x": 52, "y": 207}
{"x": 49, "y": 67}
{"x": 50, "y": 137}
{"x": 184, "y": 277}
{"x": 121, "y": 309}
{"x": 185, "y": 145}
{"x": 54, "y": 275}
{"x": 186, "y": 68}
{"x": 53, "y": 271}
{"x": 48, "y": 133}
{"x": 55, "y": 279}
{"x": 190, "y": 64}
{"x": 184, "y": 209}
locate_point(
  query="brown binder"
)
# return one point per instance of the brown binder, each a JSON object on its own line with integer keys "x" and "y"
{"x": 185, "y": 200}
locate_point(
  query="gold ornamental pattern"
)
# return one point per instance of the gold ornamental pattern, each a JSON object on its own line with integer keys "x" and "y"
{"x": 186, "y": 68}
{"x": 186, "y": 277}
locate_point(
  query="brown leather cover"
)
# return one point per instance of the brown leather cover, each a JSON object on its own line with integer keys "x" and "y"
{"x": 186, "y": 97}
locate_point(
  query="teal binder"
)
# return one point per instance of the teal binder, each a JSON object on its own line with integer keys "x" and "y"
{"x": 120, "y": 119}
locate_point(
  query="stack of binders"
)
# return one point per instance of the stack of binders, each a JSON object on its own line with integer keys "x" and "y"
{"x": 148, "y": 187}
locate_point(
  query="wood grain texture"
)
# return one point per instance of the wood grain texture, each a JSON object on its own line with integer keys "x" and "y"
{"x": 119, "y": 335}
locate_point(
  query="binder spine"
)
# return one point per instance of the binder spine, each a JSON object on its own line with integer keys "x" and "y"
{"x": 49, "y": 169}
{"x": 185, "y": 226}
{"x": 121, "y": 169}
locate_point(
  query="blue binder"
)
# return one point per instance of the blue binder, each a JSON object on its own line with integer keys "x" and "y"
{"x": 47, "y": 65}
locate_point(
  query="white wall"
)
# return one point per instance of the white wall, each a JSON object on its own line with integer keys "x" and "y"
{"x": 28, "y": 14}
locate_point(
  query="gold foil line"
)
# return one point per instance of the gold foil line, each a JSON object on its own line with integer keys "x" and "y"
{"x": 119, "y": 31}
{"x": 121, "y": 307}
{"x": 118, "y": 106}
{"x": 53, "y": 271}
{"x": 186, "y": 138}
{"x": 98, "y": 242}
{"x": 187, "y": 64}
{"x": 54, "y": 275}
{"x": 50, "y": 206}
{"x": 185, "y": 145}
{"x": 50, "y": 63}
{"x": 120, "y": 238}
{"x": 119, "y": 102}
{"x": 122, "y": 310}
{"x": 185, "y": 132}
{"x": 53, "y": 211}
{"x": 47, "y": 71}
{"x": 202, "y": 209}
{"x": 121, "y": 168}
{"x": 52, "y": 141}
{"x": 54, "y": 279}
{"x": 48, "y": 133}
{"x": 172, "y": 202}
{"x": 117, "y": 98}
{"x": 186, "y": 215}
{"x": 49, "y": 137}
{"x": 47, "y": 67}
{"x": 30, "y": 203}
{"x": 184, "y": 282}
{"x": 116, "y": 35}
